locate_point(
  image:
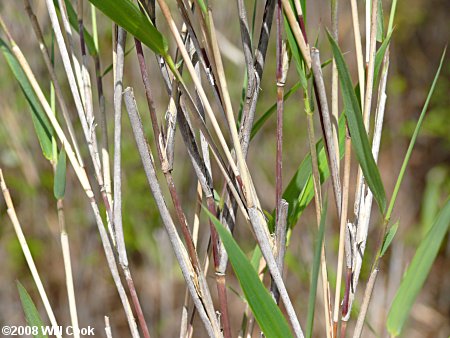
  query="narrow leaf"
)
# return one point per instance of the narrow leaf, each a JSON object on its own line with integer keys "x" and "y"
{"x": 413, "y": 139}
{"x": 315, "y": 273}
{"x": 388, "y": 238}
{"x": 42, "y": 126}
{"x": 128, "y": 16}
{"x": 31, "y": 313}
{"x": 380, "y": 22}
{"x": 379, "y": 56}
{"x": 267, "y": 313}
{"x": 358, "y": 133}
{"x": 296, "y": 54}
{"x": 59, "y": 186}
{"x": 417, "y": 272}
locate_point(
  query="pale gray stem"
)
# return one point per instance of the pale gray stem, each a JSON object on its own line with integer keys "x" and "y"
{"x": 118, "y": 89}
{"x": 201, "y": 299}
{"x": 333, "y": 163}
{"x": 266, "y": 249}
{"x": 109, "y": 253}
{"x": 279, "y": 248}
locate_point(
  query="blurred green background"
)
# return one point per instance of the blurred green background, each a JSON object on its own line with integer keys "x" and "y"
{"x": 421, "y": 32}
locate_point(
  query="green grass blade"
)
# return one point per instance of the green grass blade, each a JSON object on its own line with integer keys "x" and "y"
{"x": 73, "y": 20}
{"x": 388, "y": 238}
{"x": 42, "y": 126}
{"x": 300, "y": 190}
{"x": 379, "y": 56}
{"x": 315, "y": 273}
{"x": 267, "y": 313}
{"x": 358, "y": 133}
{"x": 380, "y": 22}
{"x": 31, "y": 313}
{"x": 417, "y": 272}
{"x": 128, "y": 16}
{"x": 59, "y": 186}
{"x": 413, "y": 139}
{"x": 296, "y": 54}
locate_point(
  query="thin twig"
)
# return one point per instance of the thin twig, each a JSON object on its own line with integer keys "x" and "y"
{"x": 358, "y": 47}
{"x": 26, "y": 251}
{"x": 343, "y": 225}
{"x": 279, "y": 248}
{"x": 117, "y": 167}
{"x": 65, "y": 112}
{"x": 68, "y": 268}
{"x": 333, "y": 159}
{"x": 335, "y": 81}
{"x": 194, "y": 279}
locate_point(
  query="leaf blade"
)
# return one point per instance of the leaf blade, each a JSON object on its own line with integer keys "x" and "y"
{"x": 357, "y": 130}
{"x": 267, "y": 313}
{"x": 42, "y": 126}
{"x": 59, "y": 186}
{"x": 31, "y": 313}
{"x": 417, "y": 272}
{"x": 128, "y": 16}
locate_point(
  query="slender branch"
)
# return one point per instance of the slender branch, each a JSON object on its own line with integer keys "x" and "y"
{"x": 335, "y": 81}
{"x": 279, "y": 248}
{"x": 358, "y": 47}
{"x": 82, "y": 177}
{"x": 65, "y": 112}
{"x": 195, "y": 280}
{"x": 26, "y": 250}
{"x": 118, "y": 89}
{"x": 343, "y": 228}
{"x": 333, "y": 159}
{"x": 68, "y": 268}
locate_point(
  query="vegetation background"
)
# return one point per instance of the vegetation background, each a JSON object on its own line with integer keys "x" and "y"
{"x": 420, "y": 35}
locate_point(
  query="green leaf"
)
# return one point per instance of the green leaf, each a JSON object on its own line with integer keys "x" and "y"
{"x": 315, "y": 273}
{"x": 380, "y": 22}
{"x": 296, "y": 54}
{"x": 379, "y": 56}
{"x": 31, "y": 313}
{"x": 267, "y": 313}
{"x": 413, "y": 139}
{"x": 42, "y": 126}
{"x": 358, "y": 133}
{"x": 388, "y": 238}
{"x": 202, "y": 6}
{"x": 59, "y": 186}
{"x": 128, "y": 16}
{"x": 417, "y": 272}
{"x": 73, "y": 20}
{"x": 300, "y": 190}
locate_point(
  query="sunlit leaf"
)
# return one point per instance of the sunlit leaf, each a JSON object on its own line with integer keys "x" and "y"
{"x": 267, "y": 313}
{"x": 357, "y": 130}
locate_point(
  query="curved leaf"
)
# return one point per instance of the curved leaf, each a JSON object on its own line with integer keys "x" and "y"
{"x": 128, "y": 16}
{"x": 31, "y": 313}
{"x": 358, "y": 133}
{"x": 42, "y": 126}
{"x": 417, "y": 272}
{"x": 267, "y": 313}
